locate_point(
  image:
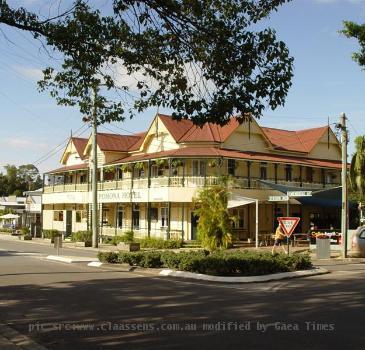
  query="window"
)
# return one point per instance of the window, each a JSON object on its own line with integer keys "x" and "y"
{"x": 156, "y": 170}
{"x": 154, "y": 214}
{"x": 164, "y": 217}
{"x": 231, "y": 166}
{"x": 83, "y": 179}
{"x": 309, "y": 174}
{"x": 80, "y": 215}
{"x": 120, "y": 216}
{"x": 135, "y": 216}
{"x": 198, "y": 168}
{"x": 239, "y": 222}
{"x": 120, "y": 174}
{"x": 263, "y": 171}
{"x": 58, "y": 215}
{"x": 288, "y": 173}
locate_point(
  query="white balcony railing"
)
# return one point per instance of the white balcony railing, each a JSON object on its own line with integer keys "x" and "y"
{"x": 180, "y": 181}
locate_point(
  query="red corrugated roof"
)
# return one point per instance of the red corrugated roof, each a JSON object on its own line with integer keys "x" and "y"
{"x": 185, "y": 131}
{"x": 217, "y": 152}
{"x": 116, "y": 143}
{"x": 69, "y": 168}
{"x": 80, "y": 144}
{"x": 295, "y": 141}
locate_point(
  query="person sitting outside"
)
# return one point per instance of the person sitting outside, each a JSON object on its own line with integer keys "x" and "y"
{"x": 279, "y": 238}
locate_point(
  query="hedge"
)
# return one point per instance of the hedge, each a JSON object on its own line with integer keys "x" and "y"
{"x": 160, "y": 243}
{"x": 50, "y": 233}
{"x": 242, "y": 263}
{"x": 6, "y": 230}
{"x": 81, "y": 236}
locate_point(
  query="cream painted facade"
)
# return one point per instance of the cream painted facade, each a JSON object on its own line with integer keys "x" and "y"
{"x": 149, "y": 188}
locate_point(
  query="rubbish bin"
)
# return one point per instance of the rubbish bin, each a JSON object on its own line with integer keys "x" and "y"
{"x": 323, "y": 247}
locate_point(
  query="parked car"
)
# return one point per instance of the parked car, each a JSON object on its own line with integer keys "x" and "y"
{"x": 358, "y": 243}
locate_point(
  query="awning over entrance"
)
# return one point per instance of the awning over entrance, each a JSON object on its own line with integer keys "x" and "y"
{"x": 236, "y": 200}
{"x": 330, "y": 197}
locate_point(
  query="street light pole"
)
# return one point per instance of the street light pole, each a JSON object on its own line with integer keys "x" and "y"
{"x": 344, "y": 211}
{"x": 94, "y": 182}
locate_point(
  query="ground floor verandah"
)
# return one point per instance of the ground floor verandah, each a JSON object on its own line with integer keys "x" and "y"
{"x": 178, "y": 220}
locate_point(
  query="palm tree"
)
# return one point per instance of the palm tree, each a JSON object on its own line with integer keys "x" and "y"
{"x": 357, "y": 169}
{"x": 215, "y": 223}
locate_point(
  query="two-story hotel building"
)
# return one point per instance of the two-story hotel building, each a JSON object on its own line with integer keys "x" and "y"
{"x": 147, "y": 181}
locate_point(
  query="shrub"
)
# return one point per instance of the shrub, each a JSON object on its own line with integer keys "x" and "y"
{"x": 6, "y": 230}
{"x": 159, "y": 243}
{"x": 24, "y": 231}
{"x": 27, "y": 237}
{"x": 50, "y": 233}
{"x": 81, "y": 236}
{"x": 129, "y": 236}
{"x": 242, "y": 263}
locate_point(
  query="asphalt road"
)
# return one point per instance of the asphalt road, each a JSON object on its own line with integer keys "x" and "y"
{"x": 64, "y": 306}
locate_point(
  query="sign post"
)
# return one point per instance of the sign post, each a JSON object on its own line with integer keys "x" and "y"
{"x": 288, "y": 225}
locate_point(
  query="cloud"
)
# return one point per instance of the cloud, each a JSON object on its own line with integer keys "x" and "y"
{"x": 21, "y": 143}
{"x": 30, "y": 73}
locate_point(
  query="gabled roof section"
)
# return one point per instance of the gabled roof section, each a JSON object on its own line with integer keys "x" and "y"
{"x": 302, "y": 141}
{"x": 80, "y": 144}
{"x": 177, "y": 128}
{"x": 185, "y": 131}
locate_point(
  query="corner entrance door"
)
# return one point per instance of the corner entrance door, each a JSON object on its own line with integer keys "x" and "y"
{"x": 68, "y": 222}
{"x": 194, "y": 226}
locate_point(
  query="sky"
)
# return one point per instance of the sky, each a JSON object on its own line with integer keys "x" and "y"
{"x": 326, "y": 83}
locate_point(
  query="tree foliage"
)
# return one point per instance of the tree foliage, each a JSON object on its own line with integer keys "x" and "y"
{"x": 201, "y": 58}
{"x": 17, "y": 180}
{"x": 357, "y": 168}
{"x": 356, "y": 31}
{"x": 215, "y": 223}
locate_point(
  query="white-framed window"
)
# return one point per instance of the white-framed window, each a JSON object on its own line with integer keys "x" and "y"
{"x": 240, "y": 219}
{"x": 164, "y": 216}
{"x": 58, "y": 215}
{"x": 199, "y": 168}
{"x": 263, "y": 171}
{"x": 135, "y": 216}
{"x": 81, "y": 215}
{"x": 231, "y": 167}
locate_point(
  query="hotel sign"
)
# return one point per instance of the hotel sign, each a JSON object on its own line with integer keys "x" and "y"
{"x": 122, "y": 196}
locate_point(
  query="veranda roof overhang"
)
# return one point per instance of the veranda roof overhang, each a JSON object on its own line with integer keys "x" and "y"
{"x": 328, "y": 197}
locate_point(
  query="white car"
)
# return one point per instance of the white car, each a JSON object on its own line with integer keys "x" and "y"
{"x": 358, "y": 243}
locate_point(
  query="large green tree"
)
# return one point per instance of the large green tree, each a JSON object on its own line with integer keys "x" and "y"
{"x": 356, "y": 31}
{"x": 205, "y": 59}
{"x": 17, "y": 180}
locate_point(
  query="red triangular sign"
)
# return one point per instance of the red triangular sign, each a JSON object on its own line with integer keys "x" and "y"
{"x": 288, "y": 224}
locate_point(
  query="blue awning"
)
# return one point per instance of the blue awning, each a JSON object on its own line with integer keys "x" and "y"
{"x": 329, "y": 198}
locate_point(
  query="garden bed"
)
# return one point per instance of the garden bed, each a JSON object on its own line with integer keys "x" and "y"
{"x": 224, "y": 263}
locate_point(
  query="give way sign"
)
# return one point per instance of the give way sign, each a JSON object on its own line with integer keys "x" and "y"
{"x": 288, "y": 224}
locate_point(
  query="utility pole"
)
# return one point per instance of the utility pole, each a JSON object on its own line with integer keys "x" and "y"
{"x": 94, "y": 182}
{"x": 344, "y": 212}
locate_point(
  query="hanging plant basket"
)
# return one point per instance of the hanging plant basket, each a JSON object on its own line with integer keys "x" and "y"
{"x": 160, "y": 162}
{"x": 108, "y": 169}
{"x": 213, "y": 163}
{"x": 138, "y": 166}
{"x": 125, "y": 168}
{"x": 176, "y": 163}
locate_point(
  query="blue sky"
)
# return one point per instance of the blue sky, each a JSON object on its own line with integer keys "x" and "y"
{"x": 326, "y": 82}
